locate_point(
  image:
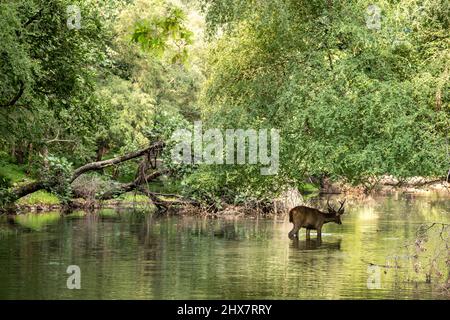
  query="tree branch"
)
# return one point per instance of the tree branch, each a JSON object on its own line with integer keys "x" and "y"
{"x": 157, "y": 146}
{"x": 22, "y": 191}
{"x": 27, "y": 189}
{"x": 126, "y": 187}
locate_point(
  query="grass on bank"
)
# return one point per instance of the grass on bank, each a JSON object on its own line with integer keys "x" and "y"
{"x": 42, "y": 197}
{"x": 45, "y": 198}
{"x": 14, "y": 173}
{"x": 39, "y": 197}
{"x": 306, "y": 188}
{"x": 131, "y": 197}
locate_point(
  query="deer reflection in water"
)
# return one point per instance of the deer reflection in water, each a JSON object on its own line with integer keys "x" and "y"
{"x": 314, "y": 244}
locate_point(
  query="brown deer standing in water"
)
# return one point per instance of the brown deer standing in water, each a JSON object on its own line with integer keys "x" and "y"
{"x": 313, "y": 219}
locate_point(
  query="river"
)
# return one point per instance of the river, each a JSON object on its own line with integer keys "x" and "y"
{"x": 131, "y": 254}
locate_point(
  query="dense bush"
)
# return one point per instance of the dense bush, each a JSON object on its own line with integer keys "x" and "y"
{"x": 56, "y": 175}
{"x": 350, "y": 102}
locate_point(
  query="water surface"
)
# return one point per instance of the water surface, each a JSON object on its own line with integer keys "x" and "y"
{"x": 134, "y": 255}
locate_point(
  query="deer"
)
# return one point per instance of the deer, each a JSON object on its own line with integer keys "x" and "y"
{"x": 313, "y": 219}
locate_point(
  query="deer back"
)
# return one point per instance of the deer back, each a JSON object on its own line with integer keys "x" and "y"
{"x": 306, "y": 216}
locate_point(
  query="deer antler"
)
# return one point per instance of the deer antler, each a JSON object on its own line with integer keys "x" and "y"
{"x": 330, "y": 208}
{"x": 342, "y": 205}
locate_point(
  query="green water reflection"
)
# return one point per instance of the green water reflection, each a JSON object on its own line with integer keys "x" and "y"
{"x": 133, "y": 255}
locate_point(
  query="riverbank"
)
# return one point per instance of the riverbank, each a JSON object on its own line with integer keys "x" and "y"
{"x": 43, "y": 201}
{"x": 23, "y": 192}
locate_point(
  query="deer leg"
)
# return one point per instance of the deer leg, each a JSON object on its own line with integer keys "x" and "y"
{"x": 319, "y": 233}
{"x": 308, "y": 234}
{"x": 293, "y": 234}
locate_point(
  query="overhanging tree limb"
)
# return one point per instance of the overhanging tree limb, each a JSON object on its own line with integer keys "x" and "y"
{"x": 155, "y": 147}
{"x": 27, "y": 189}
{"x": 24, "y": 190}
{"x": 139, "y": 184}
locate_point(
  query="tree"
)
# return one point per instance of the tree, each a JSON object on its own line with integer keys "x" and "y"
{"x": 351, "y": 102}
{"x": 48, "y": 73}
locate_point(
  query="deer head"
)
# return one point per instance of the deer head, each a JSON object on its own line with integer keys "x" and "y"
{"x": 337, "y": 214}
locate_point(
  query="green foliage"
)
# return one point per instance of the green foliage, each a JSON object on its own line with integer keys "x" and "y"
{"x": 11, "y": 173}
{"x": 41, "y": 197}
{"x": 349, "y": 101}
{"x": 91, "y": 93}
{"x": 308, "y": 188}
{"x": 146, "y": 90}
{"x": 48, "y": 73}
{"x": 131, "y": 112}
{"x": 156, "y": 34}
{"x": 56, "y": 175}
{"x": 5, "y": 182}
{"x": 132, "y": 197}
{"x": 5, "y": 197}
{"x": 10, "y": 176}
{"x": 203, "y": 186}
{"x": 215, "y": 184}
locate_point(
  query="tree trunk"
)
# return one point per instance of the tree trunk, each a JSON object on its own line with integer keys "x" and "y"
{"x": 19, "y": 155}
{"x": 24, "y": 190}
{"x": 101, "y": 151}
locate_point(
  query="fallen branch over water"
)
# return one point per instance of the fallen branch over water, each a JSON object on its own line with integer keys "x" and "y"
{"x": 32, "y": 187}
